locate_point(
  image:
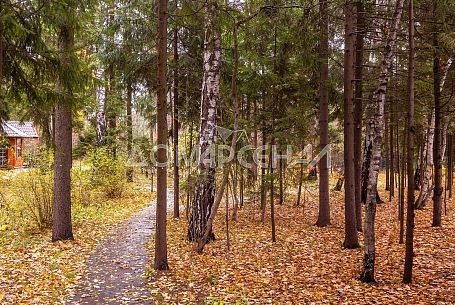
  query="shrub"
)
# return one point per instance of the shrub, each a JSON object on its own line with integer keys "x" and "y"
{"x": 35, "y": 189}
{"x": 107, "y": 173}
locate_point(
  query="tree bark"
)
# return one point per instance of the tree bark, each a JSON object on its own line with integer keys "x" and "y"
{"x": 392, "y": 162}
{"x": 227, "y": 169}
{"x": 62, "y": 224}
{"x": 188, "y": 189}
{"x": 407, "y": 274}
{"x": 438, "y": 189}
{"x": 272, "y": 145}
{"x": 324, "y": 204}
{"x": 205, "y": 184}
{"x": 175, "y": 123}
{"x": 129, "y": 128}
{"x": 161, "y": 261}
{"x": 350, "y": 226}
{"x": 374, "y": 139}
{"x": 425, "y": 188}
{"x": 402, "y": 168}
{"x": 387, "y": 148}
{"x": 450, "y": 164}
{"x": 358, "y": 111}
{"x": 101, "y": 129}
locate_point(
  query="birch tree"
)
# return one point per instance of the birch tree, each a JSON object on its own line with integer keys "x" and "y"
{"x": 205, "y": 185}
{"x": 374, "y": 142}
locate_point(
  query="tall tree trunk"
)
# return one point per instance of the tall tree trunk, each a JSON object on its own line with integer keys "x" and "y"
{"x": 350, "y": 224}
{"x": 272, "y": 146}
{"x": 111, "y": 91}
{"x": 161, "y": 262}
{"x": 188, "y": 171}
{"x": 445, "y": 126}
{"x": 407, "y": 274}
{"x": 374, "y": 140}
{"x": 281, "y": 178}
{"x": 402, "y": 187}
{"x": 152, "y": 167}
{"x": 450, "y": 164}
{"x": 62, "y": 225}
{"x": 324, "y": 204}
{"x": 175, "y": 123}
{"x": 2, "y": 114}
{"x": 358, "y": 111}
{"x": 255, "y": 139}
{"x": 438, "y": 189}
{"x": 386, "y": 147}
{"x": 129, "y": 128}
{"x": 392, "y": 161}
{"x": 263, "y": 174}
{"x": 234, "y": 195}
{"x": 205, "y": 184}
{"x": 426, "y": 189}
{"x": 101, "y": 131}
{"x": 227, "y": 168}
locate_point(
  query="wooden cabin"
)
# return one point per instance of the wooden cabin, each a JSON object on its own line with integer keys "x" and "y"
{"x": 16, "y": 136}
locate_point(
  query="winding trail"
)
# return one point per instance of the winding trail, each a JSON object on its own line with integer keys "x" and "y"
{"x": 115, "y": 272}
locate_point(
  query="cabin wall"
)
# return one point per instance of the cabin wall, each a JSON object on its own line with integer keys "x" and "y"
{"x": 12, "y": 153}
{"x": 13, "y": 159}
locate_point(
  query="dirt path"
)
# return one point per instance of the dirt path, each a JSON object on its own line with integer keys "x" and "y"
{"x": 115, "y": 271}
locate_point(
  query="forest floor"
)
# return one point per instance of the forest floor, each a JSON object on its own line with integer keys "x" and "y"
{"x": 307, "y": 265}
{"x": 33, "y": 270}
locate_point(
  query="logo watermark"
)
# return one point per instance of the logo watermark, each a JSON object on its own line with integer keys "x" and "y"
{"x": 248, "y": 156}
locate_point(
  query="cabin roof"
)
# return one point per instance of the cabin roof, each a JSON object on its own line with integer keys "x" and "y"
{"x": 16, "y": 129}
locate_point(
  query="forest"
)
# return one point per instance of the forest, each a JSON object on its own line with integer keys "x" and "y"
{"x": 227, "y": 152}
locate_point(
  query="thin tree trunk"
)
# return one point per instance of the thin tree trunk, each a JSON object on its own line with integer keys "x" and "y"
{"x": 188, "y": 188}
{"x": 445, "y": 126}
{"x": 161, "y": 262}
{"x": 402, "y": 187}
{"x": 175, "y": 123}
{"x": 228, "y": 241}
{"x": 1, "y": 64}
{"x": 358, "y": 111}
{"x": 324, "y": 204}
{"x": 386, "y": 147}
{"x": 129, "y": 128}
{"x": 152, "y": 167}
{"x": 62, "y": 224}
{"x": 255, "y": 139}
{"x": 272, "y": 145}
{"x": 299, "y": 192}
{"x": 407, "y": 274}
{"x": 392, "y": 162}
{"x": 242, "y": 187}
{"x": 101, "y": 129}
{"x": 426, "y": 189}
{"x": 263, "y": 174}
{"x": 418, "y": 171}
{"x": 281, "y": 170}
{"x": 438, "y": 189}
{"x": 350, "y": 223}
{"x": 375, "y": 135}
{"x": 235, "y": 198}
{"x": 450, "y": 165}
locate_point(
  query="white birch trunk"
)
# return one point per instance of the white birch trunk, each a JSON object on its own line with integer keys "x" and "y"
{"x": 101, "y": 111}
{"x": 426, "y": 189}
{"x": 374, "y": 138}
{"x": 205, "y": 185}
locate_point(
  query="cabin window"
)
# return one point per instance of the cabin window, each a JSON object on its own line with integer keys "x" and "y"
{"x": 3, "y": 156}
{"x": 18, "y": 149}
